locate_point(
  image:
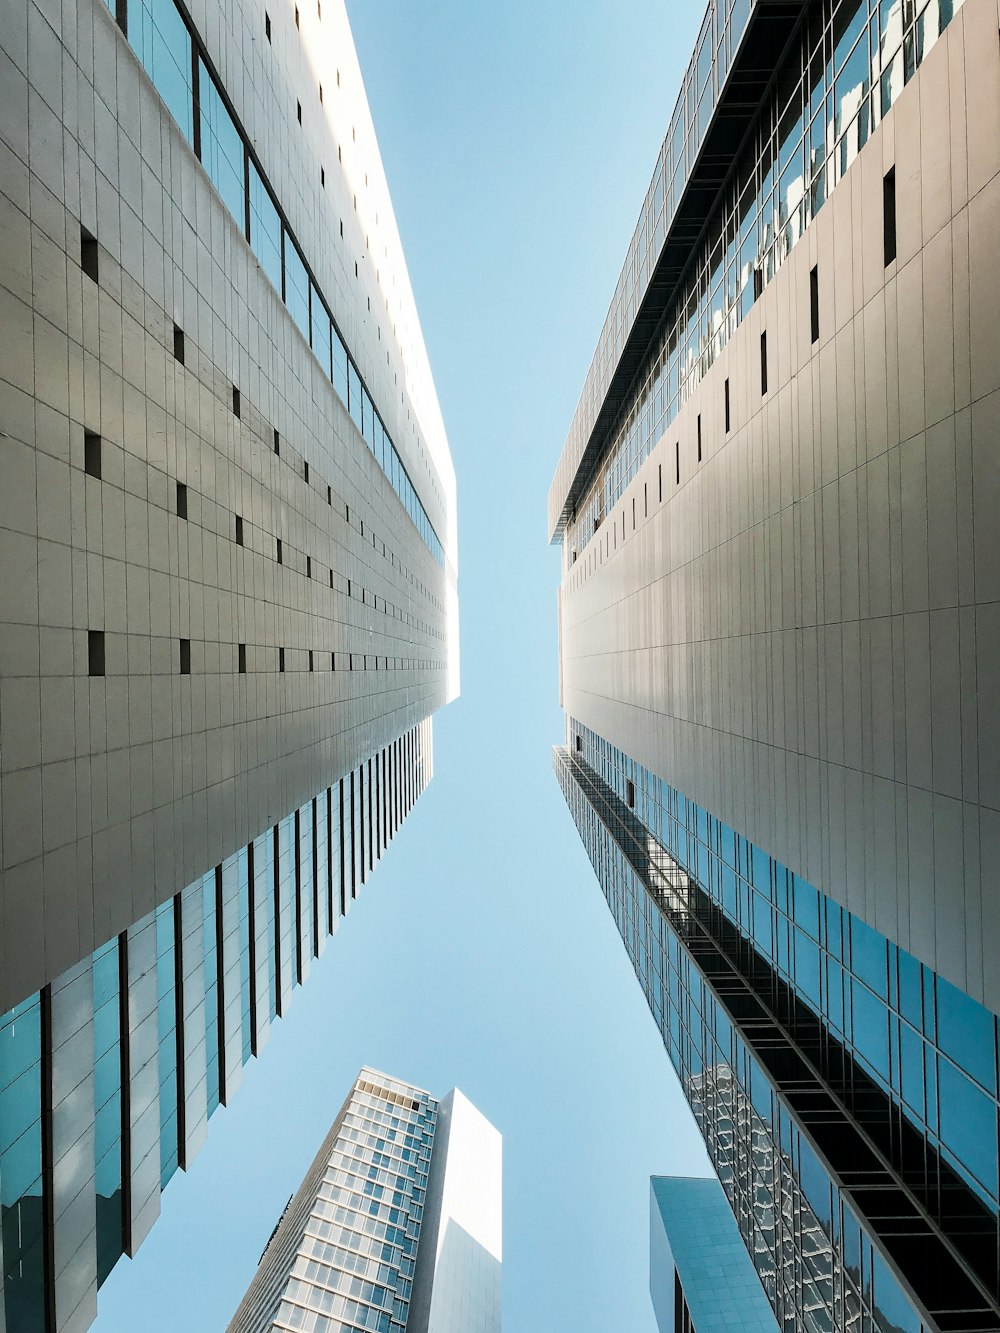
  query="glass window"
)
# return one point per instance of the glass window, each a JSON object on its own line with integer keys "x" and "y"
{"x": 807, "y": 968}
{"x": 968, "y": 1125}
{"x": 221, "y": 148}
{"x": 354, "y": 394}
{"x": 869, "y": 956}
{"x": 296, "y": 286}
{"x": 871, "y": 1029}
{"x": 167, "y": 1023}
{"x": 967, "y": 1032}
{"x": 321, "y": 332}
{"x": 339, "y": 367}
{"x": 21, "y": 1167}
{"x": 893, "y": 1312}
{"x": 163, "y": 44}
{"x": 265, "y": 229}
{"x": 367, "y": 419}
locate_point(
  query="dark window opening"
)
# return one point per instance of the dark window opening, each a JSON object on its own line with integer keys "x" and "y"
{"x": 267, "y": 25}
{"x": 281, "y": 659}
{"x": 296, "y": 16}
{"x": 677, "y": 460}
{"x": 579, "y": 744}
{"x": 88, "y": 254}
{"x": 178, "y": 344}
{"x": 814, "y": 303}
{"x": 630, "y": 792}
{"x": 182, "y": 500}
{"x": 699, "y": 437}
{"x": 331, "y": 578}
{"x": 236, "y": 402}
{"x": 241, "y": 652}
{"x": 763, "y": 364}
{"x": 321, "y": 92}
{"x": 309, "y": 566}
{"x": 277, "y": 443}
{"x": 95, "y": 652}
{"x": 239, "y": 530}
{"x": 329, "y": 495}
{"x": 758, "y": 283}
{"x": 726, "y": 390}
{"x": 185, "y": 657}
{"x": 333, "y": 661}
{"x": 889, "y": 215}
{"x": 305, "y": 472}
{"x": 659, "y": 471}
{"x": 311, "y": 667}
{"x": 298, "y": 111}
{"x": 92, "y": 455}
{"x": 322, "y": 177}
{"x": 277, "y": 542}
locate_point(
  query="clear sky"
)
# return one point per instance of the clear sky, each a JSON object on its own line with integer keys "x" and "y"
{"x": 518, "y": 140}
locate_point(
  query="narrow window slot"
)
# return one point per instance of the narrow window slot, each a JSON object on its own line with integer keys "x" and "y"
{"x": 95, "y": 652}
{"x": 182, "y": 500}
{"x": 814, "y": 303}
{"x": 889, "y": 215}
{"x": 178, "y": 344}
{"x": 763, "y": 364}
{"x": 92, "y": 455}
{"x": 699, "y": 437}
{"x": 242, "y": 658}
{"x": 185, "y": 645}
{"x": 726, "y": 387}
{"x": 88, "y": 254}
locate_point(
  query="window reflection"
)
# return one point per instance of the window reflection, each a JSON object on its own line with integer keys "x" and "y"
{"x": 221, "y": 148}
{"x": 163, "y": 45}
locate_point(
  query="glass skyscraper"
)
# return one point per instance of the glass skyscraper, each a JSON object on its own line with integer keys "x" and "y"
{"x": 701, "y": 1279}
{"x": 777, "y": 643}
{"x": 228, "y": 604}
{"x": 396, "y": 1227}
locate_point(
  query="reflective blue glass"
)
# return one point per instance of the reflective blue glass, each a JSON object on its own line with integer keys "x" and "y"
{"x": 967, "y": 1032}
{"x": 340, "y": 367}
{"x": 222, "y": 150}
{"x": 265, "y": 229}
{"x": 166, "y": 1009}
{"x": 968, "y": 1125}
{"x": 296, "y": 286}
{"x": 320, "y": 338}
{"x": 163, "y": 44}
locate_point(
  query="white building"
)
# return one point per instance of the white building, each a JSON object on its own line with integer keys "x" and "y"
{"x": 397, "y": 1225}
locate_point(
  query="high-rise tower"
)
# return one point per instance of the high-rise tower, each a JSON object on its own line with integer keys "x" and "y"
{"x": 228, "y": 593}
{"x": 778, "y": 629}
{"x": 396, "y": 1227}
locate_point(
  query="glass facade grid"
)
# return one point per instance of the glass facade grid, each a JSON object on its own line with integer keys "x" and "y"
{"x": 851, "y": 62}
{"x": 812, "y": 1248}
{"x": 163, "y": 41}
{"x": 189, "y": 1021}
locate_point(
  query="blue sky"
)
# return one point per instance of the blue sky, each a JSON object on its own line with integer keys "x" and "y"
{"x": 518, "y": 140}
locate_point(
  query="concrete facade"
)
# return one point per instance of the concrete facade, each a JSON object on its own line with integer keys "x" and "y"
{"x": 802, "y": 635}
{"x": 119, "y": 790}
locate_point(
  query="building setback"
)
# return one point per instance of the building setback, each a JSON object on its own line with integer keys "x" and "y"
{"x": 701, "y": 1279}
{"x": 227, "y": 535}
{"x": 778, "y": 641}
{"x": 397, "y": 1225}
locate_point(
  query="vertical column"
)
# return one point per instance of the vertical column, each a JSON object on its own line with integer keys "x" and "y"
{"x": 71, "y": 1150}
{"x": 234, "y": 972}
{"x": 191, "y": 1047}
{"x": 143, "y": 1041}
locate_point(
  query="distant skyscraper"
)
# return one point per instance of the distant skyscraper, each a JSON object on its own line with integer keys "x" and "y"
{"x": 396, "y": 1227}
{"x": 227, "y": 583}
{"x": 780, "y": 641}
{"x": 701, "y": 1279}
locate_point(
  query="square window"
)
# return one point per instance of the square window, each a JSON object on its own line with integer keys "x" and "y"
{"x": 92, "y": 455}
{"x": 95, "y": 652}
{"x": 182, "y": 500}
{"x": 185, "y": 657}
{"x": 88, "y": 254}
